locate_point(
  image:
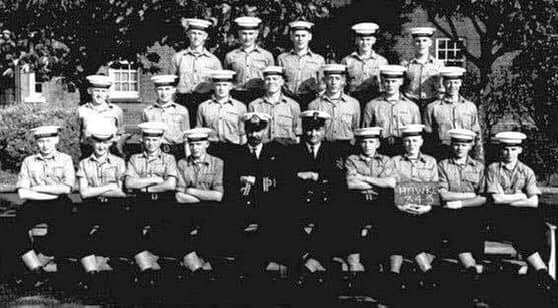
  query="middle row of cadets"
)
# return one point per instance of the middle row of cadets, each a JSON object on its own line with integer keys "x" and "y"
{"x": 302, "y": 67}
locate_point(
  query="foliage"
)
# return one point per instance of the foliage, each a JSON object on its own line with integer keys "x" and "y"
{"x": 15, "y": 140}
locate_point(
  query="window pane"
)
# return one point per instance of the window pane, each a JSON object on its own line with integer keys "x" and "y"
{"x": 125, "y": 76}
{"x": 134, "y": 76}
{"x": 459, "y": 54}
{"x": 441, "y": 55}
{"x": 125, "y": 87}
{"x": 134, "y": 86}
{"x": 116, "y": 76}
{"x": 117, "y": 86}
{"x": 441, "y": 43}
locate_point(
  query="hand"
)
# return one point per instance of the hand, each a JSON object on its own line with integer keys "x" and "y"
{"x": 245, "y": 190}
{"x": 454, "y": 205}
{"x": 251, "y": 228}
{"x": 308, "y": 175}
{"x": 248, "y": 179}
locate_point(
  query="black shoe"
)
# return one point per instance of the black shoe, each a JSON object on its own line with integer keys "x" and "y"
{"x": 429, "y": 281}
{"x": 148, "y": 278}
{"x": 88, "y": 282}
{"x": 396, "y": 282}
{"x": 545, "y": 282}
{"x": 471, "y": 275}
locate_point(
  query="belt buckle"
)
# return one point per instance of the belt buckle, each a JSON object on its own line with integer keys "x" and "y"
{"x": 154, "y": 197}
{"x": 102, "y": 199}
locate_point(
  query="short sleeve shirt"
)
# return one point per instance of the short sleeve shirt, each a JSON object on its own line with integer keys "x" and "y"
{"x": 101, "y": 172}
{"x": 442, "y": 115}
{"x": 422, "y": 169}
{"x": 424, "y": 78}
{"x": 363, "y": 73}
{"x": 175, "y": 116}
{"x": 391, "y": 115}
{"x": 224, "y": 118}
{"x": 520, "y": 179}
{"x": 249, "y": 66}
{"x": 57, "y": 169}
{"x": 301, "y": 72}
{"x": 345, "y": 116}
{"x": 89, "y": 113}
{"x": 205, "y": 174}
{"x": 285, "y": 117}
{"x": 159, "y": 164}
{"x": 462, "y": 178}
{"x": 194, "y": 70}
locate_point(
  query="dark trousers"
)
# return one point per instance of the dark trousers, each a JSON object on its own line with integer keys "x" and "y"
{"x": 192, "y": 101}
{"x": 463, "y": 229}
{"x": 105, "y": 227}
{"x": 524, "y": 227}
{"x": 57, "y": 214}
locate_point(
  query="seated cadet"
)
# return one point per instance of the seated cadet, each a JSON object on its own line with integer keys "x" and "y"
{"x": 391, "y": 111}
{"x": 167, "y": 111}
{"x": 516, "y": 213}
{"x": 363, "y": 65}
{"x": 223, "y": 114}
{"x": 318, "y": 177}
{"x": 462, "y": 185}
{"x": 367, "y": 180}
{"x": 343, "y": 109}
{"x": 254, "y": 225}
{"x": 284, "y": 126}
{"x": 416, "y": 220}
{"x": 44, "y": 181}
{"x": 151, "y": 175}
{"x": 199, "y": 187}
{"x": 451, "y": 111}
{"x": 99, "y": 109}
{"x": 102, "y": 210}
{"x": 248, "y": 60}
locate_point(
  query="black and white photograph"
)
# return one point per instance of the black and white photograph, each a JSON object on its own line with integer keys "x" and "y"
{"x": 279, "y": 153}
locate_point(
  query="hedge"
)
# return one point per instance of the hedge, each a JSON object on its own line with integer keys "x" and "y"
{"x": 16, "y": 141}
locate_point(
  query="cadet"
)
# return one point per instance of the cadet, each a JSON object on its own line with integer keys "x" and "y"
{"x": 301, "y": 65}
{"x": 462, "y": 187}
{"x": 417, "y": 240}
{"x": 369, "y": 186}
{"x": 256, "y": 225}
{"x": 452, "y": 111}
{"x": 284, "y": 126}
{"x": 363, "y": 65}
{"x": 391, "y": 111}
{"x": 199, "y": 188}
{"x": 343, "y": 109}
{"x": 44, "y": 182}
{"x": 423, "y": 69}
{"x": 165, "y": 110}
{"x": 151, "y": 175}
{"x": 223, "y": 114}
{"x": 193, "y": 67}
{"x": 317, "y": 178}
{"x": 102, "y": 228}
{"x": 248, "y": 61}
{"x": 516, "y": 215}
{"x": 99, "y": 109}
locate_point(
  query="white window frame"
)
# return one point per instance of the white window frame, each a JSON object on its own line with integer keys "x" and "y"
{"x": 128, "y": 68}
{"x": 447, "y": 50}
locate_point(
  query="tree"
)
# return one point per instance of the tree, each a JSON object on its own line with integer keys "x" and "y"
{"x": 502, "y": 25}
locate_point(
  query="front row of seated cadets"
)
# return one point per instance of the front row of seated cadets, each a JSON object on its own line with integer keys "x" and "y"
{"x": 306, "y": 221}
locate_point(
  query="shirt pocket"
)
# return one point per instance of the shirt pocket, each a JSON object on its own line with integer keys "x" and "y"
{"x": 405, "y": 117}
{"x": 108, "y": 175}
{"x": 205, "y": 179}
{"x": 284, "y": 124}
{"x": 347, "y": 119}
{"x": 58, "y": 173}
{"x": 471, "y": 177}
{"x": 259, "y": 64}
{"x": 425, "y": 173}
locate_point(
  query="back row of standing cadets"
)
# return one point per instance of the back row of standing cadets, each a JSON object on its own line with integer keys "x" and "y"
{"x": 284, "y": 205}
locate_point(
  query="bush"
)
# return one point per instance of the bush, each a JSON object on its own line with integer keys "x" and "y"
{"x": 16, "y": 142}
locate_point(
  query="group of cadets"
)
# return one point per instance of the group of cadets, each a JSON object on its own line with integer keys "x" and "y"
{"x": 281, "y": 167}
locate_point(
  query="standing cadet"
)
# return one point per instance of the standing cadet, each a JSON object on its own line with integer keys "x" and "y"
{"x": 417, "y": 240}
{"x": 248, "y": 61}
{"x": 363, "y": 65}
{"x": 151, "y": 175}
{"x": 284, "y": 125}
{"x": 343, "y": 109}
{"x": 516, "y": 212}
{"x": 301, "y": 65}
{"x": 318, "y": 177}
{"x": 101, "y": 213}
{"x": 165, "y": 110}
{"x": 392, "y": 111}
{"x": 423, "y": 70}
{"x": 369, "y": 184}
{"x": 44, "y": 181}
{"x": 99, "y": 109}
{"x": 451, "y": 111}
{"x": 193, "y": 66}
{"x": 199, "y": 187}
{"x": 462, "y": 185}
{"x": 223, "y": 114}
